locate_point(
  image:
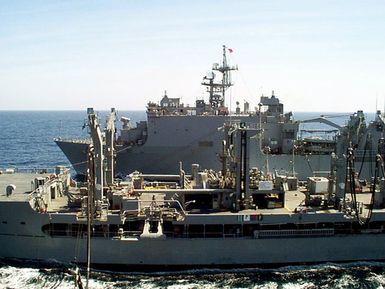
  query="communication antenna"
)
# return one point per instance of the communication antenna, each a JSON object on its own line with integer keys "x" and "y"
{"x": 383, "y": 112}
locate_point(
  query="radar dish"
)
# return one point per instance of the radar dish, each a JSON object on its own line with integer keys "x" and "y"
{"x": 210, "y": 75}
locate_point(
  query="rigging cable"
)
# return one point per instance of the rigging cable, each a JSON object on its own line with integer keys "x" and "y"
{"x": 373, "y": 188}
{"x": 350, "y": 179}
{"x": 363, "y": 157}
{"x": 379, "y": 165}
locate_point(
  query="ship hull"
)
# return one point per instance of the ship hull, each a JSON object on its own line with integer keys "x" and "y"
{"x": 159, "y": 159}
{"x": 22, "y": 237}
{"x": 171, "y": 139}
{"x": 76, "y": 153}
{"x": 195, "y": 252}
{"x": 165, "y": 160}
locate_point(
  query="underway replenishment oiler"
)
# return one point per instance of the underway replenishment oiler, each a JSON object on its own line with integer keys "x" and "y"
{"x": 237, "y": 216}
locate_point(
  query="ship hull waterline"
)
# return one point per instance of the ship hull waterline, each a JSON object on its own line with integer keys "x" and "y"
{"x": 196, "y": 253}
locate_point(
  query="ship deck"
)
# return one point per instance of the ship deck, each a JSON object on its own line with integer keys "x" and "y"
{"x": 294, "y": 200}
{"x": 22, "y": 182}
{"x": 24, "y": 186}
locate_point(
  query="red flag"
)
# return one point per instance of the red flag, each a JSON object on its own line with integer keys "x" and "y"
{"x": 230, "y": 50}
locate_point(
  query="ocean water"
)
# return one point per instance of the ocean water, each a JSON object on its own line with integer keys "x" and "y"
{"x": 26, "y": 142}
{"x": 352, "y": 275}
{"x": 26, "y": 137}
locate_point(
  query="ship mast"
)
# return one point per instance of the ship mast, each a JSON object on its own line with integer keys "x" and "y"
{"x": 110, "y": 147}
{"x": 90, "y": 200}
{"x": 217, "y": 90}
{"x": 95, "y": 174}
{"x": 97, "y": 141}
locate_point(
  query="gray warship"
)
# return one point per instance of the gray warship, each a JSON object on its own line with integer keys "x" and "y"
{"x": 237, "y": 216}
{"x": 176, "y": 132}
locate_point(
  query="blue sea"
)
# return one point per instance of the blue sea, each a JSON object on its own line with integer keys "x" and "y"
{"x": 26, "y": 142}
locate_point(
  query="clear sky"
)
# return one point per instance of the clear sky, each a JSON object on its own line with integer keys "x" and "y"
{"x": 316, "y": 55}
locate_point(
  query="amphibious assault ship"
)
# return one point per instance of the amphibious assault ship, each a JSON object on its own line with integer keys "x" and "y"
{"x": 238, "y": 216}
{"x": 176, "y": 132}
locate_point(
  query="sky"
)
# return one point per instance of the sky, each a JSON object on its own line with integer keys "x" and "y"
{"x": 325, "y": 56}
